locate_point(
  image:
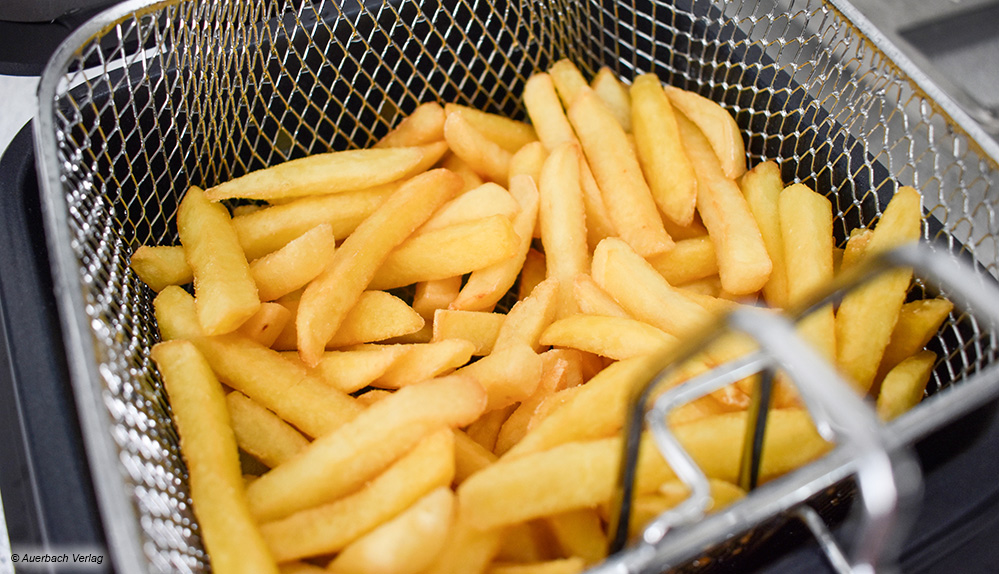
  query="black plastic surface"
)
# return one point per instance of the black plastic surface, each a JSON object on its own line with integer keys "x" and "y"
{"x": 26, "y": 46}
{"x": 48, "y": 496}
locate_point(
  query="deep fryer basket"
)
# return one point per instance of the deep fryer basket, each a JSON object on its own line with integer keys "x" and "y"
{"x": 153, "y": 96}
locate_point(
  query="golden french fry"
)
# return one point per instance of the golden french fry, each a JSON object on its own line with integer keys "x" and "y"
{"x": 633, "y": 212}
{"x": 223, "y": 287}
{"x": 176, "y": 314}
{"x": 405, "y": 544}
{"x": 468, "y": 550}
{"x": 486, "y": 428}
{"x": 593, "y": 300}
{"x": 671, "y": 493}
{"x": 508, "y": 133}
{"x": 613, "y": 337}
{"x": 509, "y": 374}
{"x": 423, "y": 361}
{"x": 486, "y": 286}
{"x": 689, "y": 260}
{"x": 856, "y": 245}
{"x": 299, "y": 567}
{"x": 470, "y": 179}
{"x": 161, "y": 266}
{"x": 528, "y": 160}
{"x": 904, "y": 385}
{"x": 660, "y": 150}
{"x": 352, "y": 370}
{"x": 330, "y": 527}
{"x": 573, "y": 565}
{"x": 867, "y": 315}
{"x": 432, "y": 296}
{"x": 485, "y": 200}
{"x": 266, "y": 324}
{"x": 525, "y": 543}
{"x": 486, "y": 157}
{"x": 478, "y": 327}
{"x": 209, "y": 449}
{"x": 269, "y": 229}
{"x": 580, "y": 533}
{"x": 614, "y": 95}
{"x": 291, "y": 267}
{"x": 718, "y": 125}
{"x": 327, "y": 299}
{"x": 918, "y": 322}
{"x": 341, "y": 461}
{"x": 447, "y": 252}
{"x": 569, "y": 81}
{"x": 261, "y": 433}
{"x": 370, "y": 397}
{"x": 553, "y": 374}
{"x": 469, "y": 456}
{"x": 320, "y": 174}
{"x": 425, "y": 125}
{"x": 762, "y": 187}
{"x": 743, "y": 262}
{"x": 376, "y": 316}
{"x": 278, "y": 384}
{"x": 562, "y": 216}
{"x": 532, "y": 273}
{"x": 529, "y": 317}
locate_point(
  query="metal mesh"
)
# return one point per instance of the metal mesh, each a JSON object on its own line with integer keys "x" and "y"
{"x": 198, "y": 92}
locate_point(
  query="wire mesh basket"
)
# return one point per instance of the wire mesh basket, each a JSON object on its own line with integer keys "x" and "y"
{"x": 154, "y": 96}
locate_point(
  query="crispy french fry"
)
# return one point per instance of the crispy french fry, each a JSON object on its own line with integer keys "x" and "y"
{"x": 448, "y": 252}
{"x": 867, "y": 315}
{"x": 545, "y": 110}
{"x": 209, "y": 449}
{"x": 528, "y": 160}
{"x": 332, "y": 526}
{"x": 269, "y": 229}
{"x": 670, "y": 494}
{"x": 485, "y": 430}
{"x": 176, "y": 314}
{"x": 613, "y": 337}
{"x": 486, "y": 286}
{"x": 470, "y": 179}
{"x": 553, "y": 374}
{"x": 291, "y": 267}
{"x": 352, "y": 370}
{"x": 918, "y": 322}
{"x": 424, "y": 125}
{"x": 580, "y": 533}
{"x": 372, "y": 396}
{"x": 376, "y": 316}
{"x": 573, "y": 565}
{"x": 593, "y": 300}
{"x": 424, "y": 361}
{"x": 432, "y": 296}
{"x": 660, "y": 150}
{"x": 479, "y": 327}
{"x": 508, "y": 133}
{"x": 904, "y": 385}
{"x": 718, "y": 125}
{"x": 468, "y": 550}
{"x": 762, "y": 187}
{"x": 266, "y": 324}
{"x": 569, "y": 81}
{"x": 562, "y": 216}
{"x": 277, "y": 384}
{"x": 328, "y": 298}
{"x": 614, "y": 95}
{"x": 485, "y": 200}
{"x": 633, "y": 212}
{"x": 300, "y": 567}
{"x": 525, "y": 543}
{"x": 469, "y": 456}
{"x": 689, "y": 260}
{"x": 529, "y": 317}
{"x": 161, "y": 266}
{"x": 324, "y": 173}
{"x": 224, "y": 291}
{"x": 486, "y": 157}
{"x": 405, "y": 544}
{"x": 856, "y": 245}
{"x": 340, "y": 461}
{"x": 509, "y": 374}
{"x": 532, "y": 273}
{"x": 261, "y": 433}
{"x": 743, "y": 262}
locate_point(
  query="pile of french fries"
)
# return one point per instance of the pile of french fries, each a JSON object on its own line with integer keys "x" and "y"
{"x": 474, "y": 424}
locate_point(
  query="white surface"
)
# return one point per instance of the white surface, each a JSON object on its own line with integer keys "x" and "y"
{"x": 17, "y": 105}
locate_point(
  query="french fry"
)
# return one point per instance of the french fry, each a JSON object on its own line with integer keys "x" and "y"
{"x": 762, "y": 186}
{"x": 614, "y": 95}
{"x": 161, "y": 266}
{"x": 508, "y": 133}
{"x": 376, "y": 316}
{"x": 278, "y": 384}
{"x": 224, "y": 291}
{"x": 432, "y": 296}
{"x": 295, "y": 264}
{"x": 261, "y": 433}
{"x": 487, "y": 285}
{"x": 321, "y": 174}
{"x": 448, "y": 252}
{"x": 647, "y": 507}
{"x": 569, "y": 81}
{"x": 918, "y": 322}
{"x": 209, "y": 449}
{"x": 593, "y": 300}
{"x": 485, "y": 200}
{"x": 372, "y": 396}
{"x": 573, "y": 565}
{"x": 468, "y": 550}
{"x": 580, "y": 533}
{"x": 633, "y": 212}
{"x": 330, "y": 527}
{"x": 352, "y": 370}
{"x": 526, "y": 543}
{"x": 529, "y": 317}
{"x": 470, "y": 179}
{"x": 528, "y": 160}
{"x": 904, "y": 385}
{"x": 553, "y": 374}
{"x": 613, "y": 337}
{"x": 176, "y": 314}
{"x": 743, "y": 262}
{"x": 486, "y": 428}
{"x": 562, "y": 216}
{"x": 718, "y": 126}
{"x": 327, "y": 299}
{"x": 424, "y": 125}
{"x": 479, "y": 327}
{"x": 486, "y": 157}
{"x": 266, "y": 324}
{"x": 867, "y": 315}
{"x": 424, "y": 361}
{"x": 509, "y": 374}
{"x": 340, "y": 461}
{"x": 271, "y": 228}
{"x": 532, "y": 273}
{"x": 856, "y": 245}
{"x": 405, "y": 544}
{"x": 660, "y": 150}
{"x": 469, "y": 456}
{"x": 300, "y": 567}
{"x": 689, "y": 260}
